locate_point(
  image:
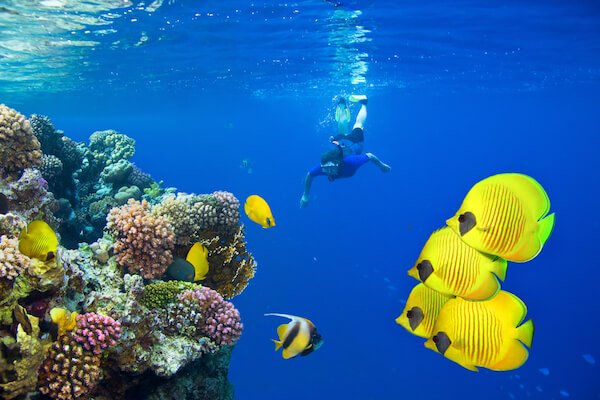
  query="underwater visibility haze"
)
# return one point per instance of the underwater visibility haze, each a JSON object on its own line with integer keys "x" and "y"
{"x": 137, "y": 130}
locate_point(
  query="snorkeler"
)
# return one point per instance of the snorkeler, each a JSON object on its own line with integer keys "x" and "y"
{"x": 346, "y": 158}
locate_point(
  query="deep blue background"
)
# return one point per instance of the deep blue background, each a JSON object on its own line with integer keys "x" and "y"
{"x": 457, "y": 92}
{"x": 342, "y": 261}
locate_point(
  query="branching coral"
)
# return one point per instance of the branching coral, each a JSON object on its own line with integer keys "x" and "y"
{"x": 220, "y": 319}
{"x": 96, "y": 332}
{"x": 69, "y": 371}
{"x": 12, "y": 262}
{"x": 231, "y": 264}
{"x": 143, "y": 242}
{"x": 19, "y": 148}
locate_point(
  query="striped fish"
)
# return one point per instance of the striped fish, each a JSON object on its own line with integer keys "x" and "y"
{"x": 298, "y": 337}
{"x": 38, "y": 240}
{"x": 421, "y": 310}
{"x": 448, "y": 265}
{"x": 505, "y": 215}
{"x": 483, "y": 333}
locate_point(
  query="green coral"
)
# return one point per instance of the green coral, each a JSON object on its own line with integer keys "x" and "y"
{"x": 110, "y": 146}
{"x": 10, "y": 295}
{"x": 160, "y": 294}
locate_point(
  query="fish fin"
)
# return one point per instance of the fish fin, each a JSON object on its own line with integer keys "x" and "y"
{"x": 516, "y": 356}
{"x": 281, "y": 329}
{"x": 289, "y": 316}
{"x": 533, "y": 194}
{"x": 277, "y": 344}
{"x": 546, "y": 226}
{"x": 468, "y": 366}
{"x": 488, "y": 287}
{"x": 525, "y": 333}
{"x": 508, "y": 307}
{"x": 287, "y": 354}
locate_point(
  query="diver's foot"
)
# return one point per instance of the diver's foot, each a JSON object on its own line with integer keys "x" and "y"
{"x": 385, "y": 168}
{"x": 358, "y": 98}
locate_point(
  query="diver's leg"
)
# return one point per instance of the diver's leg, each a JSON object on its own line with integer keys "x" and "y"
{"x": 342, "y": 116}
{"x": 375, "y": 160}
{"x": 361, "y": 118}
{"x": 307, "y": 183}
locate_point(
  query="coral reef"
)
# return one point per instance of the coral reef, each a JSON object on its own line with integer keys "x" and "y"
{"x": 19, "y": 148}
{"x": 143, "y": 241}
{"x": 99, "y": 320}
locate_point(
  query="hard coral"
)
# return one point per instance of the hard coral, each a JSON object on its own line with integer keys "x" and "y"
{"x": 12, "y": 262}
{"x": 19, "y": 148}
{"x": 160, "y": 294}
{"x": 69, "y": 371}
{"x": 97, "y": 332}
{"x": 221, "y": 320}
{"x": 143, "y": 242}
{"x": 232, "y": 265}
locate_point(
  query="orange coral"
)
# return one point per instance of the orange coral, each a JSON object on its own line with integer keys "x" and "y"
{"x": 143, "y": 242}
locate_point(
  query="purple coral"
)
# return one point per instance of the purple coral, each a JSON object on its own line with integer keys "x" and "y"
{"x": 96, "y": 332}
{"x": 222, "y": 322}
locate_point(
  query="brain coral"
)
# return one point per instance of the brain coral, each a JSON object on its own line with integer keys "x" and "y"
{"x": 19, "y": 148}
{"x": 143, "y": 242}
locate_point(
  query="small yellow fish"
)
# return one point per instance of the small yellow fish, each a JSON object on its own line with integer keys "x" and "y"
{"x": 64, "y": 319}
{"x": 421, "y": 310}
{"x": 448, "y": 265}
{"x": 257, "y": 209}
{"x": 483, "y": 333}
{"x": 505, "y": 215}
{"x": 198, "y": 257}
{"x": 38, "y": 240}
{"x": 299, "y": 337}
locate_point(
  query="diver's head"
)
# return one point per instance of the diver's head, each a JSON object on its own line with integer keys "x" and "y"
{"x": 342, "y": 102}
{"x": 331, "y": 169}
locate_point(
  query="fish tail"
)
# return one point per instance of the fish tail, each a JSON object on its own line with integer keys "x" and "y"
{"x": 277, "y": 344}
{"x": 525, "y": 333}
{"x": 546, "y": 225}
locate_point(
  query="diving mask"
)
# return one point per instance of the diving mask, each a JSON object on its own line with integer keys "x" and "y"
{"x": 330, "y": 168}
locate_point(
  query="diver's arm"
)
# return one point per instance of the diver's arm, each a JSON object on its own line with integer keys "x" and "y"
{"x": 375, "y": 160}
{"x": 307, "y": 184}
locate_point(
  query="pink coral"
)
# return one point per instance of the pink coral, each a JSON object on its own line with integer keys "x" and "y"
{"x": 96, "y": 332}
{"x": 19, "y": 148}
{"x": 144, "y": 242}
{"x": 12, "y": 262}
{"x": 221, "y": 320}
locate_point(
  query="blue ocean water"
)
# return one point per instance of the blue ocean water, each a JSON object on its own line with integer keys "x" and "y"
{"x": 457, "y": 92}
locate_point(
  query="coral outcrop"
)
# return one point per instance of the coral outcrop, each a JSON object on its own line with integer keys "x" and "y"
{"x": 19, "y": 148}
{"x": 143, "y": 241}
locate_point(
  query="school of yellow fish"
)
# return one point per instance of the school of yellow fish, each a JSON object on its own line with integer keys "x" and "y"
{"x": 459, "y": 306}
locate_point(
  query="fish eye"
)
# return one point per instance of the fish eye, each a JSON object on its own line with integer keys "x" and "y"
{"x": 409, "y": 314}
{"x": 435, "y": 339}
{"x": 461, "y": 218}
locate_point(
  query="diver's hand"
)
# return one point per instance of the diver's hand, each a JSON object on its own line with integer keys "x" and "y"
{"x": 303, "y": 201}
{"x": 330, "y": 139}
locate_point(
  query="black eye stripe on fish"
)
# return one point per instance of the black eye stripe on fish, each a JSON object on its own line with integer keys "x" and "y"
{"x": 466, "y": 222}
{"x": 291, "y": 335}
{"x": 442, "y": 342}
{"x": 425, "y": 269}
{"x": 415, "y": 317}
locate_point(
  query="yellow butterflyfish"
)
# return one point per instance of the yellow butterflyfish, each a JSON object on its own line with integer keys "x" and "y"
{"x": 421, "y": 310}
{"x": 299, "y": 337}
{"x": 505, "y": 215}
{"x": 257, "y": 209}
{"x": 483, "y": 333}
{"x": 38, "y": 240}
{"x": 198, "y": 257}
{"x": 448, "y": 265}
{"x": 64, "y": 319}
